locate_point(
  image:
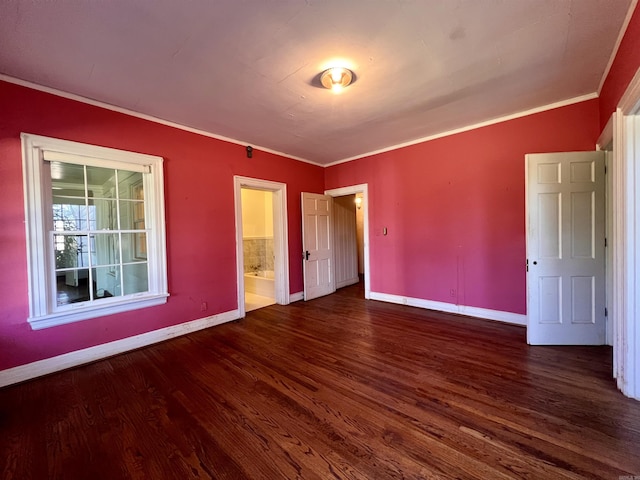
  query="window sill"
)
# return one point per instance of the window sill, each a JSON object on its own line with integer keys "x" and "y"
{"x": 85, "y": 313}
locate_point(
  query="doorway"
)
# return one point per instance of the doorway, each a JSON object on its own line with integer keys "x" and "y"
{"x": 354, "y": 199}
{"x": 261, "y": 243}
{"x": 257, "y": 248}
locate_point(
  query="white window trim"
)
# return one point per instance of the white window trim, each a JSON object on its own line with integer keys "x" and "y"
{"x": 41, "y": 314}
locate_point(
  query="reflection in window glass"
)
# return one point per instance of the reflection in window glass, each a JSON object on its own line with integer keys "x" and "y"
{"x": 107, "y": 282}
{"x": 135, "y": 278}
{"x": 106, "y": 215}
{"x": 101, "y": 182}
{"x": 72, "y": 287}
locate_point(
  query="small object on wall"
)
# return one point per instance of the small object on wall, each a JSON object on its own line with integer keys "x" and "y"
{"x": 249, "y": 151}
{"x": 384, "y": 230}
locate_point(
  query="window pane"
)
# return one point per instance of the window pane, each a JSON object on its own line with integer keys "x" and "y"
{"x": 67, "y": 179}
{"x": 68, "y": 250}
{"x": 135, "y": 278}
{"x": 132, "y": 215}
{"x": 103, "y": 215}
{"x": 130, "y": 185}
{"x": 106, "y": 248}
{"x": 101, "y": 182}
{"x": 68, "y": 217}
{"x": 83, "y": 250}
{"x": 134, "y": 247}
{"x": 106, "y": 282}
{"x": 72, "y": 286}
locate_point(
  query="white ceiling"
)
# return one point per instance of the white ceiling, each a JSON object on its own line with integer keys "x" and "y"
{"x": 247, "y": 69}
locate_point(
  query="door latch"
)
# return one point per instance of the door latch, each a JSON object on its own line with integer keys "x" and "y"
{"x": 306, "y": 255}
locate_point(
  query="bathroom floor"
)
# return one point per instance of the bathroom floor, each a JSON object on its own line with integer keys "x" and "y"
{"x": 254, "y": 302}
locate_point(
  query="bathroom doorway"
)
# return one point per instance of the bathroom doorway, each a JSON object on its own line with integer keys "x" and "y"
{"x": 257, "y": 247}
{"x": 262, "y": 250}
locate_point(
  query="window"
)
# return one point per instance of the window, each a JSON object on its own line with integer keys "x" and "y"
{"x": 95, "y": 230}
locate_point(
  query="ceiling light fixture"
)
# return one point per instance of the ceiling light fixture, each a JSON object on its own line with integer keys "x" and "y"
{"x": 336, "y": 78}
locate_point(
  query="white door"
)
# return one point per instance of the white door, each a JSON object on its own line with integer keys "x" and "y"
{"x": 565, "y": 249}
{"x": 317, "y": 245}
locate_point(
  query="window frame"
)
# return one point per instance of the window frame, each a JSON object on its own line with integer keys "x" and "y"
{"x": 40, "y": 251}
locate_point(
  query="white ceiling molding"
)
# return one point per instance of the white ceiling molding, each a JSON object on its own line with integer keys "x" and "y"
{"x": 614, "y": 52}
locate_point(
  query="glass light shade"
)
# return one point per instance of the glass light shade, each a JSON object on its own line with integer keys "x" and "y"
{"x": 336, "y": 78}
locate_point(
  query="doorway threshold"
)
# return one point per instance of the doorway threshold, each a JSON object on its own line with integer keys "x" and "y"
{"x": 254, "y": 302}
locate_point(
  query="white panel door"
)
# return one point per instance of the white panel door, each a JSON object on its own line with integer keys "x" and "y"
{"x": 317, "y": 245}
{"x": 565, "y": 249}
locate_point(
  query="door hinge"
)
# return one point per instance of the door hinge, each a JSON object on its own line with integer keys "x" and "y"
{"x": 606, "y": 312}
{"x": 605, "y": 241}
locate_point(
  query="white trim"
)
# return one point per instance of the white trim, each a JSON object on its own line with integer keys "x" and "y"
{"x": 617, "y": 245}
{"x": 132, "y": 113}
{"x": 364, "y": 189}
{"x": 630, "y": 101}
{"x": 626, "y": 241}
{"x": 296, "y": 297}
{"x": 633, "y": 263}
{"x": 629, "y": 380}
{"x": 280, "y": 237}
{"x": 606, "y": 136}
{"x": 486, "y": 123}
{"x": 28, "y": 371}
{"x": 125, "y": 305}
{"x": 484, "y": 313}
{"x": 606, "y": 143}
{"x": 614, "y": 52}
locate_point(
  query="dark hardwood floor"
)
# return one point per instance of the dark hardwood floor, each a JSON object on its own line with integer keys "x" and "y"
{"x": 337, "y": 387}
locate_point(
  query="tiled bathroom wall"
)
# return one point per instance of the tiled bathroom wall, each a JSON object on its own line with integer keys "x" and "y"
{"x": 258, "y": 254}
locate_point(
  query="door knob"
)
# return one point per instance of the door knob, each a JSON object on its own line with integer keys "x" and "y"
{"x": 306, "y": 255}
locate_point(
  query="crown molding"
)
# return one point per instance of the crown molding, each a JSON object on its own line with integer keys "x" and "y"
{"x": 616, "y": 46}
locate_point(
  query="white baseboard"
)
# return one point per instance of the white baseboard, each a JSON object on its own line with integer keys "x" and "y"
{"x": 296, "y": 297}
{"x": 507, "y": 317}
{"x": 91, "y": 354}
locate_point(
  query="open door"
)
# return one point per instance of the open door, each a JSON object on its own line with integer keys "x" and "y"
{"x": 317, "y": 245}
{"x": 566, "y": 249}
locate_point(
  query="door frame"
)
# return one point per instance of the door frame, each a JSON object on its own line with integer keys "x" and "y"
{"x": 623, "y": 129}
{"x": 362, "y": 188}
{"x": 280, "y": 237}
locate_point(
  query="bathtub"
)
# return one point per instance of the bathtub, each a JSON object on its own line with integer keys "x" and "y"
{"x": 260, "y": 283}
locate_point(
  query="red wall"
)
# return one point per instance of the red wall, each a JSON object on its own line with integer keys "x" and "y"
{"x": 455, "y": 208}
{"x": 622, "y": 70}
{"x": 199, "y": 217}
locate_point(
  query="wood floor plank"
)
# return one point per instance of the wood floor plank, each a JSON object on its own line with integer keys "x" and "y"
{"x": 338, "y": 387}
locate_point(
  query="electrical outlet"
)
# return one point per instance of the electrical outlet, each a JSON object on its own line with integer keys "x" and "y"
{"x": 204, "y": 306}
{"x": 452, "y": 292}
